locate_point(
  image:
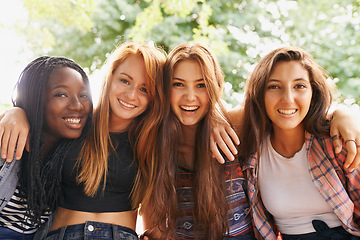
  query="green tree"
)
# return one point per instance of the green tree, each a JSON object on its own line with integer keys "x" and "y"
{"x": 239, "y": 32}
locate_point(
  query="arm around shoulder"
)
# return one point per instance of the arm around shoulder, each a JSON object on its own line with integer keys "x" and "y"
{"x": 14, "y": 130}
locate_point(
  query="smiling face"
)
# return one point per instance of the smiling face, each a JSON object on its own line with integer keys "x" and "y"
{"x": 67, "y": 104}
{"x": 189, "y": 98}
{"x": 128, "y": 94}
{"x": 288, "y": 95}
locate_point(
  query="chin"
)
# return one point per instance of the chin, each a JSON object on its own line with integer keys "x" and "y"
{"x": 73, "y": 135}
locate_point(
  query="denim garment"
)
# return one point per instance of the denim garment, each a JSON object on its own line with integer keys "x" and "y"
{"x": 242, "y": 237}
{"x": 8, "y": 180}
{"x": 322, "y": 232}
{"x": 8, "y": 234}
{"x": 93, "y": 230}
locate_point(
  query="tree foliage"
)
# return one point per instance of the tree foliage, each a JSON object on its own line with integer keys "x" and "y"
{"x": 239, "y": 32}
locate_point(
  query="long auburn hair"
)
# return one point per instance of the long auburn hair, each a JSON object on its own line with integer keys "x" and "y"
{"x": 210, "y": 205}
{"x": 256, "y": 122}
{"x": 93, "y": 157}
{"x": 39, "y": 190}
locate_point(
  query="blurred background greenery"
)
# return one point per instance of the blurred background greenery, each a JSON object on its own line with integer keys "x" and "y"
{"x": 239, "y": 32}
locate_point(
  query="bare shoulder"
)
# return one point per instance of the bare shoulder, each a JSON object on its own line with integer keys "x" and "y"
{"x": 236, "y": 115}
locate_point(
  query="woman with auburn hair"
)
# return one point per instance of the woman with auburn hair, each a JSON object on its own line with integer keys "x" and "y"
{"x": 99, "y": 174}
{"x": 194, "y": 197}
{"x": 297, "y": 185}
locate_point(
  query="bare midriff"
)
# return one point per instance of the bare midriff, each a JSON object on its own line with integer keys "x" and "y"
{"x": 66, "y": 217}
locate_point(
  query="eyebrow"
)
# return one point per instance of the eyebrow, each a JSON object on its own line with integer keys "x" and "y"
{"x": 144, "y": 84}
{"x": 296, "y": 79}
{"x": 65, "y": 86}
{"x": 180, "y": 79}
{"x": 127, "y": 75}
{"x": 59, "y": 86}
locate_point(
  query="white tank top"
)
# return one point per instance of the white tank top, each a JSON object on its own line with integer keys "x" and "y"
{"x": 289, "y": 194}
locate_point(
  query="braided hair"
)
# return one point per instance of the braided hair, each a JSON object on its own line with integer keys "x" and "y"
{"x": 36, "y": 186}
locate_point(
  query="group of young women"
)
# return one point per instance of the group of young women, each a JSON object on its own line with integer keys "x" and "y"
{"x": 147, "y": 148}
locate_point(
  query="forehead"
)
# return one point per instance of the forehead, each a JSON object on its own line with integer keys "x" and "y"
{"x": 64, "y": 76}
{"x": 289, "y": 70}
{"x": 134, "y": 67}
{"x": 188, "y": 70}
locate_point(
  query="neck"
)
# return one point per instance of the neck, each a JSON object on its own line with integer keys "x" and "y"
{"x": 189, "y": 134}
{"x": 288, "y": 142}
{"x": 117, "y": 125}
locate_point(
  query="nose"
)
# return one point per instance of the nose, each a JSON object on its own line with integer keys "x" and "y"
{"x": 190, "y": 94}
{"x": 131, "y": 93}
{"x": 288, "y": 95}
{"x": 76, "y": 104}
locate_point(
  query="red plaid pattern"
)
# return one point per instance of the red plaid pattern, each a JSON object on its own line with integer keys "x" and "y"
{"x": 340, "y": 188}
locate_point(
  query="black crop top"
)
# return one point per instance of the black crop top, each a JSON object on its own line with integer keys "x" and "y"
{"x": 121, "y": 174}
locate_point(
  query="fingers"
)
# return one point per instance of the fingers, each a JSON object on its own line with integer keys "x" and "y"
{"x": 222, "y": 139}
{"x": 4, "y": 145}
{"x": 336, "y": 139}
{"x": 234, "y": 137}
{"x": 11, "y": 139}
{"x": 225, "y": 142}
{"x": 224, "y": 148}
{"x": 14, "y": 129}
{"x": 22, "y": 141}
{"x": 351, "y": 153}
{"x": 215, "y": 151}
{"x": 11, "y": 147}
{"x": 27, "y": 144}
{"x": 355, "y": 164}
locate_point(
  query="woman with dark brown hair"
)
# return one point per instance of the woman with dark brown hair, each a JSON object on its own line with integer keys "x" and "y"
{"x": 297, "y": 185}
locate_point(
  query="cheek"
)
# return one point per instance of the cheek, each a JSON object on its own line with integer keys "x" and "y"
{"x": 87, "y": 107}
{"x": 206, "y": 100}
{"x": 53, "y": 107}
{"x": 307, "y": 99}
{"x": 50, "y": 116}
{"x": 173, "y": 98}
{"x": 115, "y": 89}
{"x": 145, "y": 101}
{"x": 112, "y": 91}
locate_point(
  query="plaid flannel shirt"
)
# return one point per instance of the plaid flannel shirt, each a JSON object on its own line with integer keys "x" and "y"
{"x": 340, "y": 188}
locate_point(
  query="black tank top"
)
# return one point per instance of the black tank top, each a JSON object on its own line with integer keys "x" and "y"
{"x": 121, "y": 174}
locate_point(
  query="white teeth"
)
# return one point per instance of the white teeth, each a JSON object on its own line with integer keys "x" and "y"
{"x": 288, "y": 112}
{"x": 72, "y": 120}
{"x": 189, "y": 108}
{"x": 127, "y": 104}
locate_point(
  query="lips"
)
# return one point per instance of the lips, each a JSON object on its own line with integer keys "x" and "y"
{"x": 126, "y": 105}
{"x": 287, "y": 111}
{"x": 189, "y": 108}
{"x": 74, "y": 122}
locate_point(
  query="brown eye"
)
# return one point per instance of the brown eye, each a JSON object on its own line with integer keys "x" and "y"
{"x": 124, "y": 81}
{"x": 177, "y": 84}
{"x": 143, "y": 89}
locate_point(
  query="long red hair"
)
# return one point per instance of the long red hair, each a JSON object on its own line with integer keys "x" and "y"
{"x": 95, "y": 151}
